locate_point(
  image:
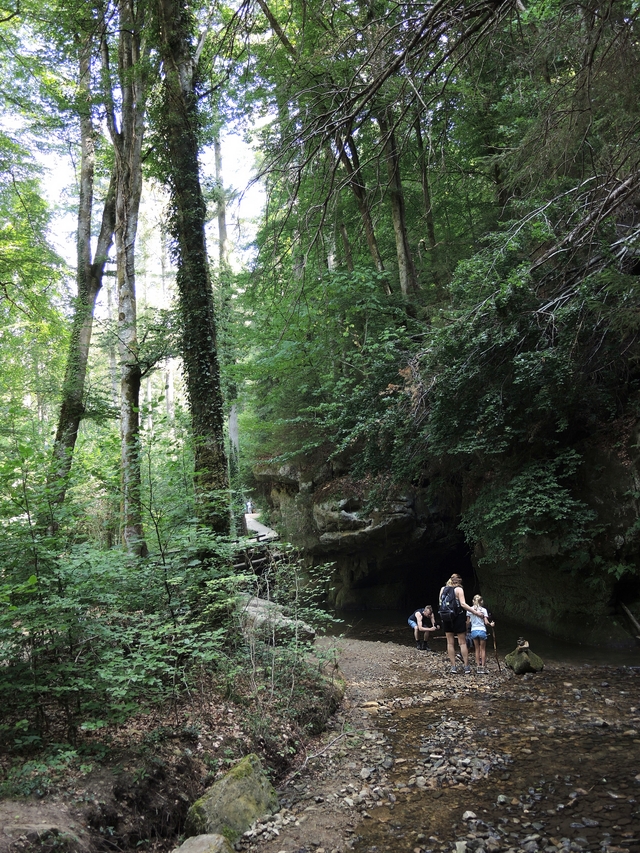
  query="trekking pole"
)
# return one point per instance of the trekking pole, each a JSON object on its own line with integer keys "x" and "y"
{"x": 495, "y": 648}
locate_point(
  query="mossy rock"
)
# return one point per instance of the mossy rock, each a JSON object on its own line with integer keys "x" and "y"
{"x": 524, "y": 660}
{"x": 233, "y": 803}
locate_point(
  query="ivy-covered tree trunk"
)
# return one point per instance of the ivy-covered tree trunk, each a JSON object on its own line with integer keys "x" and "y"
{"x": 199, "y": 350}
{"x": 89, "y": 275}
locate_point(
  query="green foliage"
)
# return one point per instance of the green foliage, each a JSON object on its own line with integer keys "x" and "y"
{"x": 98, "y": 635}
{"x": 285, "y": 673}
{"x": 504, "y": 379}
{"x": 519, "y": 348}
{"x": 317, "y": 367}
{"x": 38, "y": 777}
{"x": 533, "y": 504}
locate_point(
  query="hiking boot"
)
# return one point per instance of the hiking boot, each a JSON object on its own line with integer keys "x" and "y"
{"x": 418, "y": 645}
{"x": 480, "y": 670}
{"x": 467, "y": 670}
{"x": 459, "y": 657}
{"x": 453, "y": 670}
{"x": 427, "y": 648}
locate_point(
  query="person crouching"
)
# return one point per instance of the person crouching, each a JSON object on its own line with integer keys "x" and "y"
{"x": 423, "y": 623}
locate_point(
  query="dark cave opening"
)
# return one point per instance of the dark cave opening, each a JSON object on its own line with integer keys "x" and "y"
{"x": 425, "y": 580}
{"x": 405, "y": 578}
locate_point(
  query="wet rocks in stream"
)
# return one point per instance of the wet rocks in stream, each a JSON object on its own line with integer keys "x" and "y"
{"x": 445, "y": 762}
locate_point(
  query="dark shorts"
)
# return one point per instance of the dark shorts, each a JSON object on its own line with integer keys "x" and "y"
{"x": 458, "y": 626}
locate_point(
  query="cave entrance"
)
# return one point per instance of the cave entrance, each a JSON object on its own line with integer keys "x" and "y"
{"x": 402, "y": 579}
{"x": 427, "y": 576}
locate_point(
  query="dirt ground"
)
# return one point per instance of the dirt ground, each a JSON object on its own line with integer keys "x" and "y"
{"x": 326, "y": 817}
{"x": 529, "y": 753}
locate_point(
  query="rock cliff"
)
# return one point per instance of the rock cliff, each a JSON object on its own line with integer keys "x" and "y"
{"x": 394, "y": 550}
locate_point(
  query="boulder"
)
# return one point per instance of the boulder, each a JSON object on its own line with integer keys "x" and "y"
{"x": 522, "y": 659}
{"x": 267, "y": 620}
{"x": 205, "y": 844}
{"x": 233, "y": 803}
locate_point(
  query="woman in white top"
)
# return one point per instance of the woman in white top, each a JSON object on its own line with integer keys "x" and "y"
{"x": 479, "y": 621}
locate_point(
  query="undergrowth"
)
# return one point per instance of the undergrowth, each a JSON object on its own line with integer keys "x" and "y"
{"x": 104, "y": 656}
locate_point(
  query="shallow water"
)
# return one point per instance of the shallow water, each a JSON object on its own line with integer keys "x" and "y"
{"x": 545, "y": 762}
{"x": 556, "y": 754}
{"x": 391, "y": 626}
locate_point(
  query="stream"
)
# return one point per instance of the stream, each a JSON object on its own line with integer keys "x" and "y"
{"x": 546, "y": 762}
{"x": 522, "y": 770}
{"x": 420, "y": 760}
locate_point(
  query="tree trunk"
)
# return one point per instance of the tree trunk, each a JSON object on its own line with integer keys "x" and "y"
{"x": 221, "y": 207}
{"x": 89, "y": 276}
{"x": 224, "y": 302}
{"x": 406, "y": 268}
{"x": 127, "y": 143}
{"x": 130, "y": 380}
{"x": 200, "y": 355}
{"x": 352, "y": 167}
{"x": 113, "y": 362}
{"x": 428, "y": 209}
{"x": 348, "y": 257}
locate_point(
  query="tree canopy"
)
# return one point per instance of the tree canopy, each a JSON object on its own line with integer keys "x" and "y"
{"x": 441, "y": 288}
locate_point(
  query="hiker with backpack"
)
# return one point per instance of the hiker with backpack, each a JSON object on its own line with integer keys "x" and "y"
{"x": 454, "y": 620}
{"x": 423, "y": 621}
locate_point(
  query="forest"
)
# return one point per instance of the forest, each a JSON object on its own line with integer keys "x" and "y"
{"x": 440, "y": 292}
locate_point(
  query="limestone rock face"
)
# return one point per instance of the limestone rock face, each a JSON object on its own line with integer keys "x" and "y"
{"x": 332, "y": 519}
{"x": 267, "y": 619}
{"x": 233, "y": 803}
{"x": 346, "y": 530}
{"x": 380, "y": 554}
{"x": 383, "y": 551}
{"x": 547, "y": 590}
{"x": 205, "y": 844}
